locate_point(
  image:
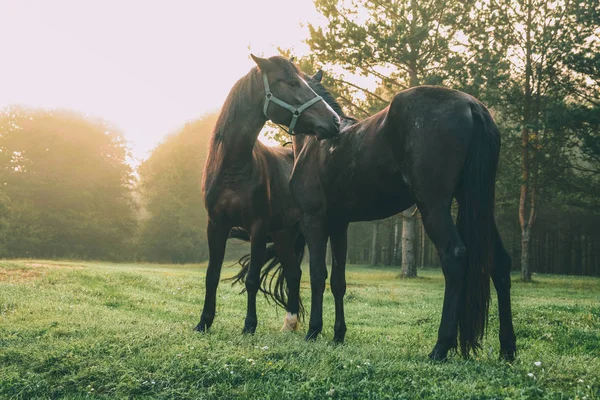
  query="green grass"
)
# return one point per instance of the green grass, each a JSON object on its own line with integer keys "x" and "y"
{"x": 125, "y": 331}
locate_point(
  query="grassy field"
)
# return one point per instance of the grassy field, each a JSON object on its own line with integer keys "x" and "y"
{"x": 77, "y": 329}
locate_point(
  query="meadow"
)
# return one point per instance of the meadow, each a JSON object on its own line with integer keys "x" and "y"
{"x": 102, "y": 330}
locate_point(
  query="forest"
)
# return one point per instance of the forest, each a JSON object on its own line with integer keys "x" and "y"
{"x": 69, "y": 190}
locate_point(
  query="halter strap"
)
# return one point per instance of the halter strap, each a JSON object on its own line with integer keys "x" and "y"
{"x": 269, "y": 97}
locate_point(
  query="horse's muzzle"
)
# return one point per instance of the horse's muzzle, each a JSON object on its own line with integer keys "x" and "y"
{"x": 329, "y": 130}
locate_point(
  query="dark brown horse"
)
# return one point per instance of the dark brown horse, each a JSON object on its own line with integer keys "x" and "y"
{"x": 428, "y": 146}
{"x": 245, "y": 183}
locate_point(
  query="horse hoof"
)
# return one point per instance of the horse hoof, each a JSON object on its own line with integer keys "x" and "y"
{"x": 338, "y": 340}
{"x": 249, "y": 330}
{"x": 438, "y": 354}
{"x": 311, "y": 335}
{"x": 202, "y": 327}
{"x": 339, "y": 333}
{"x": 290, "y": 323}
{"x": 507, "y": 355}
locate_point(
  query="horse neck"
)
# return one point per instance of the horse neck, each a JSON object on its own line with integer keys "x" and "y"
{"x": 298, "y": 143}
{"x": 237, "y": 130}
{"x": 238, "y": 139}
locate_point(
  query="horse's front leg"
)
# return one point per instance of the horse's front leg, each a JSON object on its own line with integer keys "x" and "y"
{"x": 339, "y": 244}
{"x": 258, "y": 242}
{"x": 217, "y": 239}
{"x": 315, "y": 230}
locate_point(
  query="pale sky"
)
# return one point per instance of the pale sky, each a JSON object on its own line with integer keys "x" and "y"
{"x": 146, "y": 66}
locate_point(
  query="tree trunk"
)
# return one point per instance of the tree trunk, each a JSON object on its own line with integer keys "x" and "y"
{"x": 525, "y": 270}
{"x": 391, "y": 243}
{"x": 527, "y": 197}
{"x": 375, "y": 244}
{"x": 409, "y": 239}
{"x": 397, "y": 244}
{"x": 422, "y": 253}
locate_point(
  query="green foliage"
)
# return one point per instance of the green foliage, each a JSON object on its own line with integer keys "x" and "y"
{"x": 174, "y": 229}
{"x": 400, "y": 43}
{"x": 66, "y": 185}
{"x": 78, "y": 330}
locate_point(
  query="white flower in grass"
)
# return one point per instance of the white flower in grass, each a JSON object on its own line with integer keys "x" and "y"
{"x": 264, "y": 348}
{"x": 537, "y": 363}
{"x": 330, "y": 392}
{"x": 531, "y": 375}
{"x": 579, "y": 380}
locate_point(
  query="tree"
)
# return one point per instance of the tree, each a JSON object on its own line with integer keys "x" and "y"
{"x": 375, "y": 246}
{"x": 174, "y": 228}
{"x": 68, "y": 184}
{"x": 547, "y": 47}
{"x": 409, "y": 242}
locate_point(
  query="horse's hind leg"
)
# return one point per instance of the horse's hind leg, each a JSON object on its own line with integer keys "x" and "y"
{"x": 339, "y": 244}
{"x": 438, "y": 223}
{"x": 217, "y": 239}
{"x": 501, "y": 279}
{"x": 258, "y": 242}
{"x": 285, "y": 246}
{"x": 315, "y": 229}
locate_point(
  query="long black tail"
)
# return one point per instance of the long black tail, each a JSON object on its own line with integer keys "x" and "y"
{"x": 273, "y": 283}
{"x": 475, "y": 223}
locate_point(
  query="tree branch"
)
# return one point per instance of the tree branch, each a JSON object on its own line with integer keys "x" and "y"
{"x": 339, "y": 80}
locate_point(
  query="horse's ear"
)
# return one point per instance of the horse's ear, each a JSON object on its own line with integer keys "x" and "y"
{"x": 318, "y": 76}
{"x": 292, "y": 59}
{"x": 262, "y": 63}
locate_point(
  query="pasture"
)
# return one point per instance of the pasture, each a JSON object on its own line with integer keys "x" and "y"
{"x": 101, "y": 330}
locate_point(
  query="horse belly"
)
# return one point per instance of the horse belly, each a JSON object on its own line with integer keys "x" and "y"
{"x": 374, "y": 201}
{"x": 381, "y": 207}
{"x": 284, "y": 216}
{"x": 228, "y": 207}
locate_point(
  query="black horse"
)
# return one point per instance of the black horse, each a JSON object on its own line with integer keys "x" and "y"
{"x": 245, "y": 183}
{"x": 430, "y": 145}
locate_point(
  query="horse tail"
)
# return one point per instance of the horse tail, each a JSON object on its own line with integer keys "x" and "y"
{"x": 274, "y": 285}
{"x": 244, "y": 261}
{"x": 272, "y": 279}
{"x": 475, "y": 223}
{"x": 267, "y": 287}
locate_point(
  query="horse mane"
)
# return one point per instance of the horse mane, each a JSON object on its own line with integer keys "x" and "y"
{"x": 236, "y": 104}
{"x": 328, "y": 98}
